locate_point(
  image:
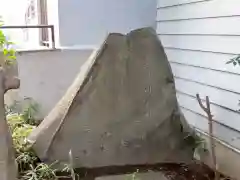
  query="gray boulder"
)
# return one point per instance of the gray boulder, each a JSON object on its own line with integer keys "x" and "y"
{"x": 121, "y": 109}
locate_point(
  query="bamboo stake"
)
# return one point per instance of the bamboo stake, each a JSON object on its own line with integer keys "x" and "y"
{"x": 207, "y": 110}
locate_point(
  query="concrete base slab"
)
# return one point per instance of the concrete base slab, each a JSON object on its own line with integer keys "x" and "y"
{"x": 136, "y": 176}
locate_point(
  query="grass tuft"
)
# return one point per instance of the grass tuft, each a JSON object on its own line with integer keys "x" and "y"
{"x": 21, "y": 123}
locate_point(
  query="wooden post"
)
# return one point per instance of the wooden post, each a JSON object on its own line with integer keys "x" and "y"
{"x": 8, "y": 168}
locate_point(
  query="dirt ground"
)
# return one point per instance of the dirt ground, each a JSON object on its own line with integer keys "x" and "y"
{"x": 172, "y": 171}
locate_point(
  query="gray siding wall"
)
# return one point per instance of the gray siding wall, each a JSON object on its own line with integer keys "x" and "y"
{"x": 199, "y": 37}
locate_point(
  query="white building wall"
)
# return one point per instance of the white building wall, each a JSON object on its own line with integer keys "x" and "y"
{"x": 46, "y": 74}
{"x": 12, "y": 17}
{"x": 199, "y": 37}
{"x": 53, "y": 19}
{"x": 86, "y": 22}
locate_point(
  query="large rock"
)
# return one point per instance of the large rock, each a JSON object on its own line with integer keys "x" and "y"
{"x": 8, "y": 169}
{"x": 121, "y": 109}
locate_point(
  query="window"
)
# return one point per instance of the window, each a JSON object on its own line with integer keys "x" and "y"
{"x": 29, "y": 15}
{"x": 31, "y": 12}
{"x": 44, "y": 35}
{"x": 36, "y": 14}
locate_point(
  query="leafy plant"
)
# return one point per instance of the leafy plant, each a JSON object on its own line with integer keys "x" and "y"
{"x": 21, "y": 125}
{"x": 30, "y": 112}
{"x": 6, "y": 47}
{"x": 19, "y": 136}
{"x": 20, "y": 129}
{"x": 40, "y": 172}
{"x": 25, "y": 159}
{"x": 195, "y": 141}
{"x": 235, "y": 61}
{"x": 21, "y": 122}
{"x": 14, "y": 120}
{"x": 29, "y": 166}
{"x": 25, "y": 110}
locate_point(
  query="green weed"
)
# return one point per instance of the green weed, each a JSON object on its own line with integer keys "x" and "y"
{"x": 133, "y": 176}
{"x": 21, "y": 122}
